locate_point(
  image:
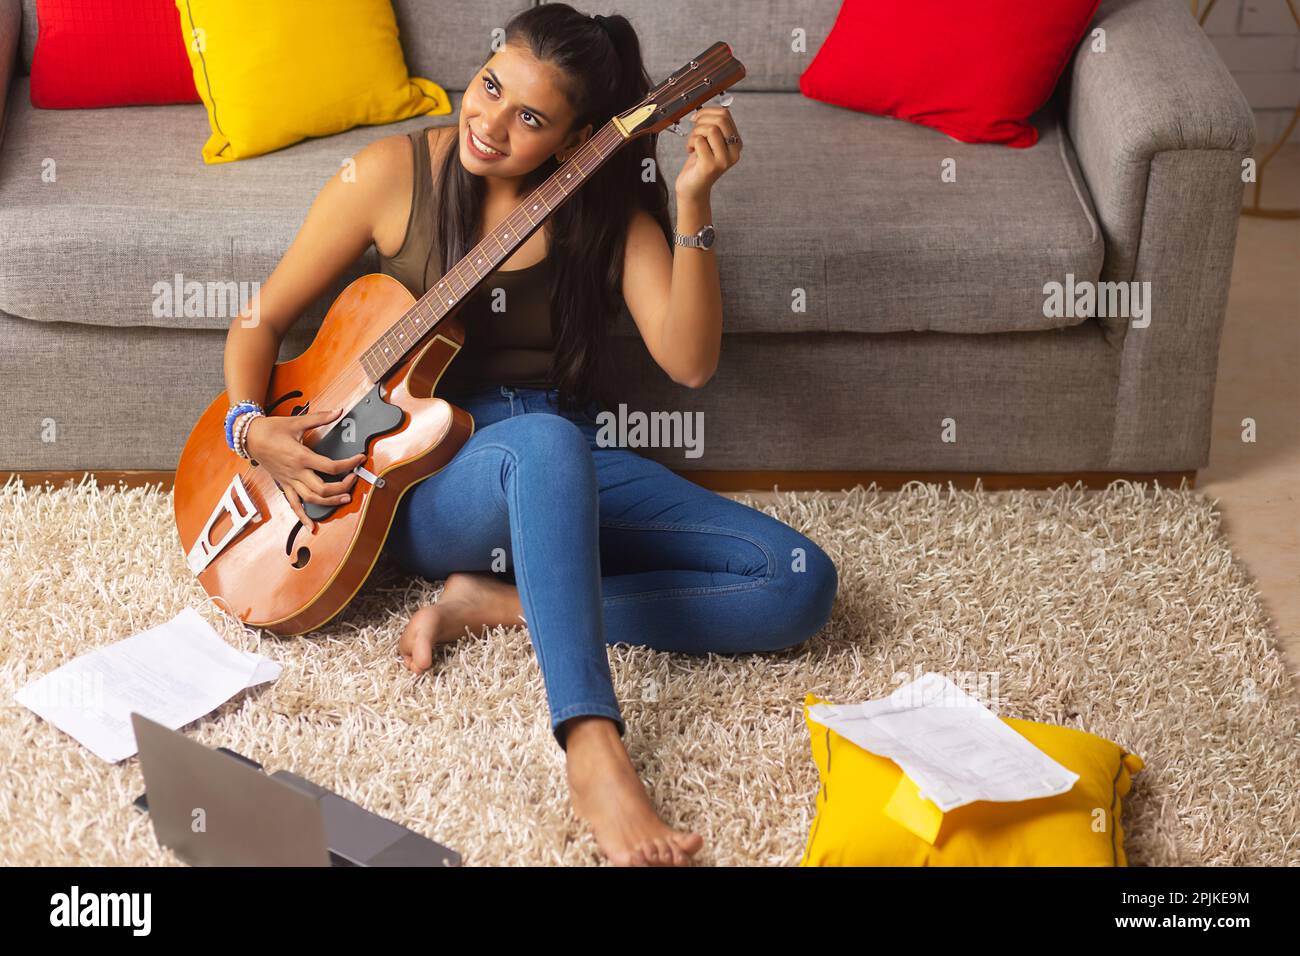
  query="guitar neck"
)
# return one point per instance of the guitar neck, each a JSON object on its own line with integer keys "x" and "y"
{"x": 493, "y": 249}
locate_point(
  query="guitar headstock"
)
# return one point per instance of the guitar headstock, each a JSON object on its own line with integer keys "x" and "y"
{"x": 701, "y": 79}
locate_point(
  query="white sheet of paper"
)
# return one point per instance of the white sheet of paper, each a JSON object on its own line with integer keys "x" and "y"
{"x": 952, "y": 747}
{"x": 173, "y": 673}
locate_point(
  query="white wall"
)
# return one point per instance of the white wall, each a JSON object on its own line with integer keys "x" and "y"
{"x": 1259, "y": 41}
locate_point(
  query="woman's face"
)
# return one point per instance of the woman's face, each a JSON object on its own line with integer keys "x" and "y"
{"x": 514, "y": 104}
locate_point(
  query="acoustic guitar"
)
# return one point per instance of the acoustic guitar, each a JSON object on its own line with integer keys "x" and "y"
{"x": 378, "y": 355}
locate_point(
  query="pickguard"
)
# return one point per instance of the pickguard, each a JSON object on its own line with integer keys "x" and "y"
{"x": 367, "y": 419}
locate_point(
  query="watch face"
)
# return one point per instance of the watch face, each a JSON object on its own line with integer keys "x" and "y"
{"x": 706, "y": 237}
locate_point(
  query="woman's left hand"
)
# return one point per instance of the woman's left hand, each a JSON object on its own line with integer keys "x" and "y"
{"x": 710, "y": 155}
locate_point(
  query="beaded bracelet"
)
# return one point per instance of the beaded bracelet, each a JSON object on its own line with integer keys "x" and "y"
{"x": 236, "y": 410}
{"x": 246, "y": 403}
{"x": 242, "y": 424}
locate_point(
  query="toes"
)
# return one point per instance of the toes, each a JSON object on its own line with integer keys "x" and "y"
{"x": 688, "y": 843}
{"x": 672, "y": 849}
{"x": 679, "y": 856}
{"x": 416, "y": 645}
{"x": 636, "y": 858}
{"x": 663, "y": 852}
{"x": 423, "y": 655}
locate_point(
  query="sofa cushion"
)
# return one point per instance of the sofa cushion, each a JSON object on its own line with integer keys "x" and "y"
{"x": 331, "y": 69}
{"x": 853, "y": 210}
{"x": 97, "y": 207}
{"x": 142, "y": 62}
{"x": 974, "y": 72}
{"x": 443, "y": 41}
{"x": 845, "y": 212}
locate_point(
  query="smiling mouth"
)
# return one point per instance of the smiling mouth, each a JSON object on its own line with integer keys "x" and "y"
{"x": 484, "y": 147}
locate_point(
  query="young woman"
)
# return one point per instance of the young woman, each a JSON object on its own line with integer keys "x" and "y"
{"x": 592, "y": 545}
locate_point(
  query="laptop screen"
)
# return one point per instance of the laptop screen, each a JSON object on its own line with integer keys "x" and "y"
{"x": 214, "y": 810}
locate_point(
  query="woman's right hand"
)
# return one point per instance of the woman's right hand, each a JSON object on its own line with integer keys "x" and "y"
{"x": 275, "y": 443}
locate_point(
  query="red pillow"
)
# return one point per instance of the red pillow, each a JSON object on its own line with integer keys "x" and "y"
{"x": 109, "y": 53}
{"x": 976, "y": 71}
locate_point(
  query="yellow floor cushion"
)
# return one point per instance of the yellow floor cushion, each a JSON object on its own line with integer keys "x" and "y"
{"x": 869, "y": 813}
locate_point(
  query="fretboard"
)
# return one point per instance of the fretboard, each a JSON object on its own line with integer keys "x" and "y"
{"x": 493, "y": 249}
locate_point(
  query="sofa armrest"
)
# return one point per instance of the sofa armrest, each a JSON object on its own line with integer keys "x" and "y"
{"x": 1159, "y": 86}
{"x": 11, "y": 20}
{"x": 1161, "y": 131}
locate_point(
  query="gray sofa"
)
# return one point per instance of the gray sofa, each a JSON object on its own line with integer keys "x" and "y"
{"x": 924, "y": 315}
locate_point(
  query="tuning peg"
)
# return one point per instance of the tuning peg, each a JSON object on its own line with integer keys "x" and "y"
{"x": 725, "y": 99}
{"x": 676, "y": 128}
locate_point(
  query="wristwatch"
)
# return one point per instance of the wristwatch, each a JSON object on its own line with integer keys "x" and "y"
{"x": 701, "y": 240}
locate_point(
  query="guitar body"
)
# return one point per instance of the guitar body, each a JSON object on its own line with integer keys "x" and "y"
{"x": 247, "y": 547}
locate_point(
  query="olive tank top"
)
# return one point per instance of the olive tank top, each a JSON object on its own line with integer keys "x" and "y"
{"x": 509, "y": 346}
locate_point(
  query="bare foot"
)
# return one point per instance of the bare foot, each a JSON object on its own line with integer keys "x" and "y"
{"x": 467, "y": 601}
{"x": 607, "y": 793}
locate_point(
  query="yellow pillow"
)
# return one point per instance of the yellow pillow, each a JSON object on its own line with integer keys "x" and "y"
{"x": 275, "y": 73}
{"x": 869, "y": 813}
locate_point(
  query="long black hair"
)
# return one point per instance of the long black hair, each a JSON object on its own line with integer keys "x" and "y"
{"x": 604, "y": 75}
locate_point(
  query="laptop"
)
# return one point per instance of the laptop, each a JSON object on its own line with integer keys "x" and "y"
{"x": 218, "y": 808}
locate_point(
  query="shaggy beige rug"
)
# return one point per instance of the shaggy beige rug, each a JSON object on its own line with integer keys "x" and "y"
{"x": 1122, "y": 613}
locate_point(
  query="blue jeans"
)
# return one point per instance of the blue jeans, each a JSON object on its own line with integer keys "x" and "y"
{"x": 605, "y": 546}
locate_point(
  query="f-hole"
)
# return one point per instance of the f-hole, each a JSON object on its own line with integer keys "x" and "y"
{"x": 304, "y": 552}
{"x": 284, "y": 398}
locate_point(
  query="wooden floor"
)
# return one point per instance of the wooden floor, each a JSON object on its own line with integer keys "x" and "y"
{"x": 731, "y": 481}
